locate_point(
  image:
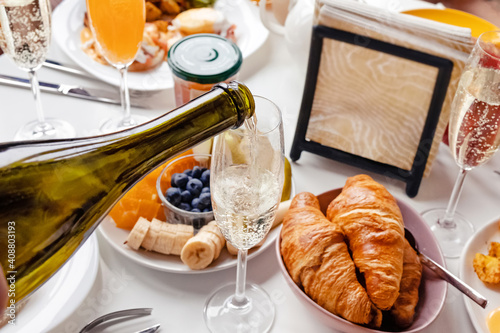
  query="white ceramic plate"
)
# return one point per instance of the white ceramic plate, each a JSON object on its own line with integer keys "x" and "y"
{"x": 171, "y": 263}
{"x": 67, "y": 22}
{"x": 480, "y": 242}
{"x": 61, "y": 295}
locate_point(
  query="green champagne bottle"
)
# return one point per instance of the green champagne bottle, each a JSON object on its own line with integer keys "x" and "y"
{"x": 53, "y": 194}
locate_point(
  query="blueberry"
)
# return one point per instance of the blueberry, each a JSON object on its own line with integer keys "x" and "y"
{"x": 195, "y": 210}
{"x": 206, "y": 189}
{"x": 172, "y": 180}
{"x": 179, "y": 180}
{"x": 186, "y": 196}
{"x": 188, "y": 172}
{"x": 203, "y": 170}
{"x": 196, "y": 172}
{"x": 205, "y": 177}
{"x": 185, "y": 206}
{"x": 206, "y": 210}
{"x": 196, "y": 203}
{"x": 173, "y": 195}
{"x": 205, "y": 199}
{"x": 194, "y": 186}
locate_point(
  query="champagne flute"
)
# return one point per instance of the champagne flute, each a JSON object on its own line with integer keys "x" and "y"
{"x": 474, "y": 135}
{"x": 25, "y": 30}
{"x": 246, "y": 182}
{"x": 118, "y": 28}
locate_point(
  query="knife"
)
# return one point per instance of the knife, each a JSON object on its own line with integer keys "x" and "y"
{"x": 151, "y": 329}
{"x": 65, "y": 68}
{"x": 92, "y": 94}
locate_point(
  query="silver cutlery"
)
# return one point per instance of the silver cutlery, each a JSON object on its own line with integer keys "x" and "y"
{"x": 133, "y": 313}
{"x": 66, "y": 68}
{"x": 92, "y": 94}
{"x": 446, "y": 275}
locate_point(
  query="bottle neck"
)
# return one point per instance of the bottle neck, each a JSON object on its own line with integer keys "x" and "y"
{"x": 225, "y": 106}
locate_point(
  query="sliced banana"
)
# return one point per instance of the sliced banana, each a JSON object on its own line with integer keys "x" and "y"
{"x": 154, "y": 231}
{"x": 166, "y": 238}
{"x": 138, "y": 233}
{"x": 181, "y": 239}
{"x": 201, "y": 250}
{"x": 198, "y": 253}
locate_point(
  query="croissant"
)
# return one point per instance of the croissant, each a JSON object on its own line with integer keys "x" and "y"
{"x": 318, "y": 260}
{"x": 403, "y": 309}
{"x": 372, "y": 223}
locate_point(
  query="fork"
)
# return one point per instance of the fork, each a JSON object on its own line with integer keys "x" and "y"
{"x": 122, "y": 314}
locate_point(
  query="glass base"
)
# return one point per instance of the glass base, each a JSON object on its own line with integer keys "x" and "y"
{"x": 117, "y": 123}
{"x": 50, "y": 129}
{"x": 254, "y": 315}
{"x": 451, "y": 238}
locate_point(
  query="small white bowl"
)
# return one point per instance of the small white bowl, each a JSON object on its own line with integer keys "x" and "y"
{"x": 175, "y": 214}
{"x": 432, "y": 291}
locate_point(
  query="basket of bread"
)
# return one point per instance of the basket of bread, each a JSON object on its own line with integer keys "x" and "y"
{"x": 345, "y": 257}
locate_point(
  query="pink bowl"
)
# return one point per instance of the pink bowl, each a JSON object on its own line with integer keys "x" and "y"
{"x": 432, "y": 291}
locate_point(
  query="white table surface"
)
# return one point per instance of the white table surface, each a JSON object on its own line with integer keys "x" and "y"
{"x": 178, "y": 299}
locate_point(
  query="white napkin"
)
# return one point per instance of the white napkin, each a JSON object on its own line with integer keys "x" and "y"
{"x": 373, "y": 104}
{"x": 415, "y": 30}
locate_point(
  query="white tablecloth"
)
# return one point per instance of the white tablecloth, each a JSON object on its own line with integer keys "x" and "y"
{"x": 177, "y": 299}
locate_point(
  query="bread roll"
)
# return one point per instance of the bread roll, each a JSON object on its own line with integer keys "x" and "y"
{"x": 373, "y": 225}
{"x": 318, "y": 260}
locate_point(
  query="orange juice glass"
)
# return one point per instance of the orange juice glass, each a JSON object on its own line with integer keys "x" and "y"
{"x": 118, "y": 27}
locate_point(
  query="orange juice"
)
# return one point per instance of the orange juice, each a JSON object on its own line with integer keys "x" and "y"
{"x": 118, "y": 27}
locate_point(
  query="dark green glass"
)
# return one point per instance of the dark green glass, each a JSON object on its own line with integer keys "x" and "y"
{"x": 55, "y": 193}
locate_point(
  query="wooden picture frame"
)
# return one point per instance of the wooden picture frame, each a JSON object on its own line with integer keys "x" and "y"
{"x": 412, "y": 176}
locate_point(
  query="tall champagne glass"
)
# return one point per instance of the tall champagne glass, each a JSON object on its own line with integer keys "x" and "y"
{"x": 474, "y": 135}
{"x": 118, "y": 27}
{"x": 246, "y": 182}
{"x": 25, "y": 37}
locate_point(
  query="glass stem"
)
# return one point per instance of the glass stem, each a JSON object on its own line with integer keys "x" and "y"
{"x": 43, "y": 126}
{"x": 127, "y": 120}
{"x": 240, "y": 299}
{"x": 448, "y": 221}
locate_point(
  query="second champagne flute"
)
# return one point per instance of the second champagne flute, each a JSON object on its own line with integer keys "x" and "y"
{"x": 25, "y": 29}
{"x": 118, "y": 28}
{"x": 246, "y": 181}
{"x": 474, "y": 136}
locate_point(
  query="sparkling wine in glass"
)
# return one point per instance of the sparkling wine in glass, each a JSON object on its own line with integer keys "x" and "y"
{"x": 118, "y": 27}
{"x": 246, "y": 182}
{"x": 474, "y": 135}
{"x": 25, "y": 29}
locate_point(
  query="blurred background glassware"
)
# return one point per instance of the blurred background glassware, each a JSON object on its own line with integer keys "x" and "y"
{"x": 246, "y": 186}
{"x": 474, "y": 136}
{"x": 200, "y": 61}
{"x": 25, "y": 29}
{"x": 118, "y": 28}
{"x": 292, "y": 19}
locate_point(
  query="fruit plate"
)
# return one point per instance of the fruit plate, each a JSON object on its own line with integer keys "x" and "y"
{"x": 67, "y": 22}
{"x": 479, "y": 243}
{"x": 171, "y": 263}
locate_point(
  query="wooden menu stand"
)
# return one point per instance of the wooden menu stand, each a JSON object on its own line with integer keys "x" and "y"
{"x": 307, "y": 138}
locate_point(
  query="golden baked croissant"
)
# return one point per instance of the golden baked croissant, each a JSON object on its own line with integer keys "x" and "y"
{"x": 318, "y": 260}
{"x": 372, "y": 223}
{"x": 403, "y": 309}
